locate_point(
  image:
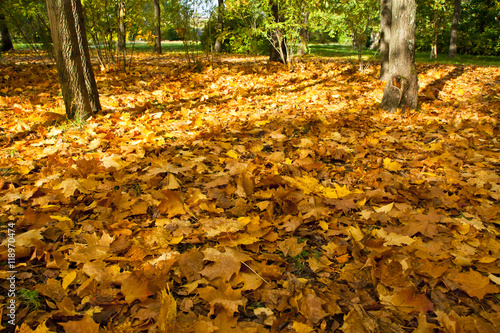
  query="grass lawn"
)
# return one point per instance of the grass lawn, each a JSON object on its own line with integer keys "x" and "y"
{"x": 347, "y": 52}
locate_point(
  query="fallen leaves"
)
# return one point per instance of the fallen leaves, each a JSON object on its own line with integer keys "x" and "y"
{"x": 250, "y": 202}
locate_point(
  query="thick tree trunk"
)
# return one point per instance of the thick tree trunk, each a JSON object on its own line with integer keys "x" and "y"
{"x": 156, "y": 5}
{"x": 303, "y": 47}
{"x": 121, "y": 26}
{"x": 71, "y": 49}
{"x": 277, "y": 50}
{"x": 385, "y": 37}
{"x": 220, "y": 27}
{"x": 454, "y": 29}
{"x": 5, "y": 40}
{"x": 401, "y": 90}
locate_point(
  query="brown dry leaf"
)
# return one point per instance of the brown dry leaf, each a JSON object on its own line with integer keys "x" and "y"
{"x": 225, "y": 264}
{"x": 311, "y": 307}
{"x": 291, "y": 247}
{"x": 473, "y": 283}
{"x": 408, "y": 300}
{"x": 52, "y": 289}
{"x": 191, "y": 264}
{"x": 225, "y": 297}
{"x": 357, "y": 321}
{"x": 423, "y": 325}
{"x": 172, "y": 205}
{"x": 135, "y": 287}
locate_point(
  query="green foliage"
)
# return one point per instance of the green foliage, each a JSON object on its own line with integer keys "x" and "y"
{"x": 479, "y": 29}
{"x": 30, "y": 298}
{"x": 28, "y": 22}
{"x": 241, "y": 32}
{"x": 434, "y": 24}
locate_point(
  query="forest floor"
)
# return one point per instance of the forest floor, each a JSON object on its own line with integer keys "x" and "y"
{"x": 250, "y": 198}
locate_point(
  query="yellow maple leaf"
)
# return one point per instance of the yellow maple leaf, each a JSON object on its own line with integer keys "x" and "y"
{"x": 391, "y": 165}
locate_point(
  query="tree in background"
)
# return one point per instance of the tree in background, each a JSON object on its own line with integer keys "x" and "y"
{"x": 27, "y": 21}
{"x": 5, "y": 40}
{"x": 432, "y": 25}
{"x": 278, "y": 48}
{"x": 452, "y": 53}
{"x": 220, "y": 27}
{"x": 303, "y": 47}
{"x": 243, "y": 21}
{"x": 282, "y": 24}
{"x": 402, "y": 87}
{"x": 122, "y": 32}
{"x": 357, "y": 18}
{"x": 183, "y": 17}
{"x": 76, "y": 76}
{"x": 157, "y": 12}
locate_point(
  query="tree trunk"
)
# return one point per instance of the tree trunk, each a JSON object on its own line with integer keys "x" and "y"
{"x": 401, "y": 90}
{"x": 156, "y": 5}
{"x": 121, "y": 26}
{"x": 385, "y": 37}
{"x": 303, "y": 47}
{"x": 434, "y": 35}
{"x": 220, "y": 27}
{"x": 5, "y": 40}
{"x": 71, "y": 49}
{"x": 277, "y": 50}
{"x": 454, "y": 29}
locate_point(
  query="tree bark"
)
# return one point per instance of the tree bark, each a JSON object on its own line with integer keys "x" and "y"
{"x": 121, "y": 26}
{"x": 5, "y": 40}
{"x": 220, "y": 27}
{"x": 76, "y": 76}
{"x": 156, "y": 5}
{"x": 452, "y": 53}
{"x": 385, "y": 37}
{"x": 401, "y": 90}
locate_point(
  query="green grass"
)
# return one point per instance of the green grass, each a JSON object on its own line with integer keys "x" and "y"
{"x": 140, "y": 46}
{"x": 166, "y": 46}
{"x": 341, "y": 52}
{"x": 346, "y": 52}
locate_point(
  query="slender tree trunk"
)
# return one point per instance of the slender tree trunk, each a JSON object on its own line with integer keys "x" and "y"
{"x": 122, "y": 34}
{"x": 401, "y": 90}
{"x": 220, "y": 27}
{"x": 5, "y": 40}
{"x": 434, "y": 35}
{"x": 121, "y": 26}
{"x": 385, "y": 37}
{"x": 454, "y": 29}
{"x": 156, "y": 4}
{"x": 277, "y": 50}
{"x": 71, "y": 49}
{"x": 303, "y": 47}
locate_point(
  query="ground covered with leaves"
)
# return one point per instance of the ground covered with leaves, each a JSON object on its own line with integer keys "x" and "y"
{"x": 250, "y": 198}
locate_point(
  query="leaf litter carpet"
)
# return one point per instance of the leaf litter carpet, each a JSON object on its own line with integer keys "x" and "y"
{"x": 250, "y": 198}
